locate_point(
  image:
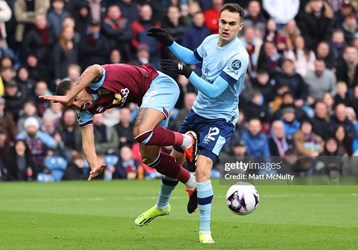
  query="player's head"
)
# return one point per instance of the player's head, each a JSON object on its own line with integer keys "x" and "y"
{"x": 80, "y": 102}
{"x": 230, "y": 22}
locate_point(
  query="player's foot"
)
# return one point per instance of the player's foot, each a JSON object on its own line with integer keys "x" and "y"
{"x": 191, "y": 153}
{"x": 193, "y": 200}
{"x": 146, "y": 217}
{"x": 206, "y": 238}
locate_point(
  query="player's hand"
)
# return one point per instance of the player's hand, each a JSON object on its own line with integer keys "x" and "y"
{"x": 56, "y": 98}
{"x": 176, "y": 67}
{"x": 96, "y": 171}
{"x": 161, "y": 35}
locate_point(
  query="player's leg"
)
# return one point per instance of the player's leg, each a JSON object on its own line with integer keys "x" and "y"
{"x": 204, "y": 197}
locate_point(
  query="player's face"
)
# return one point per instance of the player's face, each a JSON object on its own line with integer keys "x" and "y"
{"x": 82, "y": 101}
{"x": 229, "y": 26}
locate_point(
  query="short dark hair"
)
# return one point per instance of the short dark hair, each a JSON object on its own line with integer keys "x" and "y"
{"x": 233, "y": 7}
{"x": 63, "y": 87}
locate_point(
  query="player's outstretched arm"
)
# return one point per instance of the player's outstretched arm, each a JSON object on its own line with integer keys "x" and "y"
{"x": 91, "y": 74}
{"x": 210, "y": 90}
{"x": 90, "y": 151}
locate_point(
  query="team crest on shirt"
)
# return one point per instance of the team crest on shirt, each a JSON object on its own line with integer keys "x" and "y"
{"x": 103, "y": 92}
{"x": 236, "y": 65}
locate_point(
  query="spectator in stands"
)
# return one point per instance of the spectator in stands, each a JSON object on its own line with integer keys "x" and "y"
{"x": 350, "y": 28}
{"x": 7, "y": 123}
{"x": 25, "y": 82}
{"x": 279, "y": 143}
{"x": 288, "y": 101}
{"x": 39, "y": 41}
{"x": 73, "y": 72}
{"x": 340, "y": 118}
{"x": 324, "y": 52}
{"x": 291, "y": 32}
{"x": 15, "y": 99}
{"x": 195, "y": 34}
{"x": 25, "y": 13}
{"x": 269, "y": 58}
{"x": 252, "y": 44}
{"x": 36, "y": 70}
{"x": 124, "y": 128}
{"x": 307, "y": 142}
{"x": 329, "y": 158}
{"x": 189, "y": 99}
{"x": 344, "y": 141}
{"x": 140, "y": 27}
{"x": 5, "y": 15}
{"x": 54, "y": 112}
{"x": 70, "y": 133}
{"x": 75, "y": 169}
{"x": 118, "y": 31}
{"x": 41, "y": 88}
{"x": 290, "y": 121}
{"x": 295, "y": 81}
{"x": 82, "y": 16}
{"x": 38, "y": 141}
{"x": 347, "y": 67}
{"x": 302, "y": 57}
{"x": 319, "y": 81}
{"x": 254, "y": 17}
{"x": 256, "y": 141}
{"x": 174, "y": 24}
{"x": 106, "y": 138}
{"x": 345, "y": 9}
{"x": 321, "y": 120}
{"x": 21, "y": 165}
{"x": 257, "y": 108}
{"x": 338, "y": 44}
{"x": 129, "y": 9}
{"x": 212, "y": 16}
{"x": 127, "y": 167}
{"x": 28, "y": 110}
{"x": 94, "y": 47}
{"x": 65, "y": 53}
{"x": 262, "y": 83}
{"x": 316, "y": 22}
{"x": 281, "y": 11}
{"x": 342, "y": 93}
{"x": 142, "y": 55}
{"x": 56, "y": 14}
{"x": 111, "y": 117}
{"x": 329, "y": 101}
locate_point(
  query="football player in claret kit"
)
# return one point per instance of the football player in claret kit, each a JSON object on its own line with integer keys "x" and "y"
{"x": 215, "y": 111}
{"x": 102, "y": 87}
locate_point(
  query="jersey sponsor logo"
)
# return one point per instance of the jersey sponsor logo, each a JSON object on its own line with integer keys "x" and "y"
{"x": 236, "y": 64}
{"x": 120, "y": 98}
{"x": 210, "y": 136}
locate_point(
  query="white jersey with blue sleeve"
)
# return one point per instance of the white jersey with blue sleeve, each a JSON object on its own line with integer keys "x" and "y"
{"x": 230, "y": 63}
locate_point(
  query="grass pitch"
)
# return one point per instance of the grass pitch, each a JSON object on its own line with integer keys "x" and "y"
{"x": 100, "y": 215}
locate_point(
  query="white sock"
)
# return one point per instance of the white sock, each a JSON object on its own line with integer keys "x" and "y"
{"x": 187, "y": 141}
{"x": 191, "y": 183}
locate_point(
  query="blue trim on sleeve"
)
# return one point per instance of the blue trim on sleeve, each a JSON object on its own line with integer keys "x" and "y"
{"x": 84, "y": 117}
{"x": 183, "y": 54}
{"x": 228, "y": 78}
{"x": 196, "y": 54}
{"x": 97, "y": 85}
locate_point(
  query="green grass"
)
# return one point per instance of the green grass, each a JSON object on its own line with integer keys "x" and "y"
{"x": 100, "y": 215}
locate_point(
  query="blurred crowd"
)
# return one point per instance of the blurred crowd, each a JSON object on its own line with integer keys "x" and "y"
{"x": 300, "y": 100}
